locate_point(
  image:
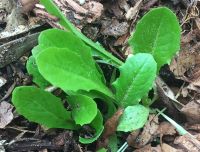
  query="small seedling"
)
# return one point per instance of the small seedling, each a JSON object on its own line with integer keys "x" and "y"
{"x": 64, "y": 59}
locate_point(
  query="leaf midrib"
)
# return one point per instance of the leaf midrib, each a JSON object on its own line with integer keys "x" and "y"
{"x": 157, "y": 35}
{"x": 131, "y": 86}
{"x": 47, "y": 110}
{"x": 91, "y": 81}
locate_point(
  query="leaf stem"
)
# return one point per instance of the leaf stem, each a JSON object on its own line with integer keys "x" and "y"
{"x": 99, "y": 50}
{"x": 123, "y": 147}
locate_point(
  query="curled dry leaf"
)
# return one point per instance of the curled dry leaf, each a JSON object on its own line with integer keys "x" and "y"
{"x": 165, "y": 128}
{"x": 188, "y": 143}
{"x": 192, "y": 112}
{"x": 186, "y": 65}
{"x": 110, "y": 128}
{"x": 6, "y": 114}
{"x": 164, "y": 94}
{"x": 132, "y": 137}
{"x": 111, "y": 124}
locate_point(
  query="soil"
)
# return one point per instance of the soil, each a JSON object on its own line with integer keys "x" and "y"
{"x": 110, "y": 23}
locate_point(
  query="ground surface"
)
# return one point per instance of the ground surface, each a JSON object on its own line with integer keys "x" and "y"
{"x": 109, "y": 22}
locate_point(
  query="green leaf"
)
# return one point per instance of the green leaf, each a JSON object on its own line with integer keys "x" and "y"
{"x": 36, "y": 76}
{"x": 70, "y": 71}
{"x": 63, "y": 39}
{"x": 134, "y": 117}
{"x": 108, "y": 104}
{"x": 97, "y": 49}
{"x": 136, "y": 78}
{"x": 158, "y": 33}
{"x": 97, "y": 124}
{"x": 84, "y": 109}
{"x": 42, "y": 107}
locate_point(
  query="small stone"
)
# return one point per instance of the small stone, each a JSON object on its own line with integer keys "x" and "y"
{"x": 2, "y": 81}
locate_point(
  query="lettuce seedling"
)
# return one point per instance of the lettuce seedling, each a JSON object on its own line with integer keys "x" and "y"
{"x": 65, "y": 60}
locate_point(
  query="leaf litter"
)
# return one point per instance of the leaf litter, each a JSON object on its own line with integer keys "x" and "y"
{"x": 185, "y": 67}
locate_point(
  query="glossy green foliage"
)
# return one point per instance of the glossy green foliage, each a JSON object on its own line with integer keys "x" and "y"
{"x": 64, "y": 59}
{"x": 63, "y": 39}
{"x": 84, "y": 109}
{"x": 97, "y": 50}
{"x": 36, "y": 76}
{"x": 134, "y": 117}
{"x": 70, "y": 71}
{"x": 158, "y": 33}
{"x": 136, "y": 78}
{"x": 42, "y": 107}
{"x": 97, "y": 125}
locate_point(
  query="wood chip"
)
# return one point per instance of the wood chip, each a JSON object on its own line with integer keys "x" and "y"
{"x": 6, "y": 114}
{"x": 188, "y": 143}
{"x": 132, "y": 12}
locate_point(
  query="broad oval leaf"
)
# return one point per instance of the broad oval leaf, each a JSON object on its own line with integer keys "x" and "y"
{"x": 158, "y": 33}
{"x": 70, "y": 71}
{"x": 36, "y": 76}
{"x": 136, "y": 78}
{"x": 84, "y": 109}
{"x": 108, "y": 103}
{"x": 134, "y": 117}
{"x": 96, "y": 124}
{"x": 63, "y": 39}
{"x": 42, "y": 107}
{"x": 96, "y": 48}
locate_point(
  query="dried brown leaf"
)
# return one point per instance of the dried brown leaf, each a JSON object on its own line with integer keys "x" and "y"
{"x": 148, "y": 133}
{"x": 111, "y": 124}
{"x": 186, "y": 65}
{"x": 188, "y": 143}
{"x": 192, "y": 112}
{"x": 132, "y": 137}
{"x": 167, "y": 148}
{"x": 164, "y": 94}
{"x": 110, "y": 128}
{"x": 165, "y": 128}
